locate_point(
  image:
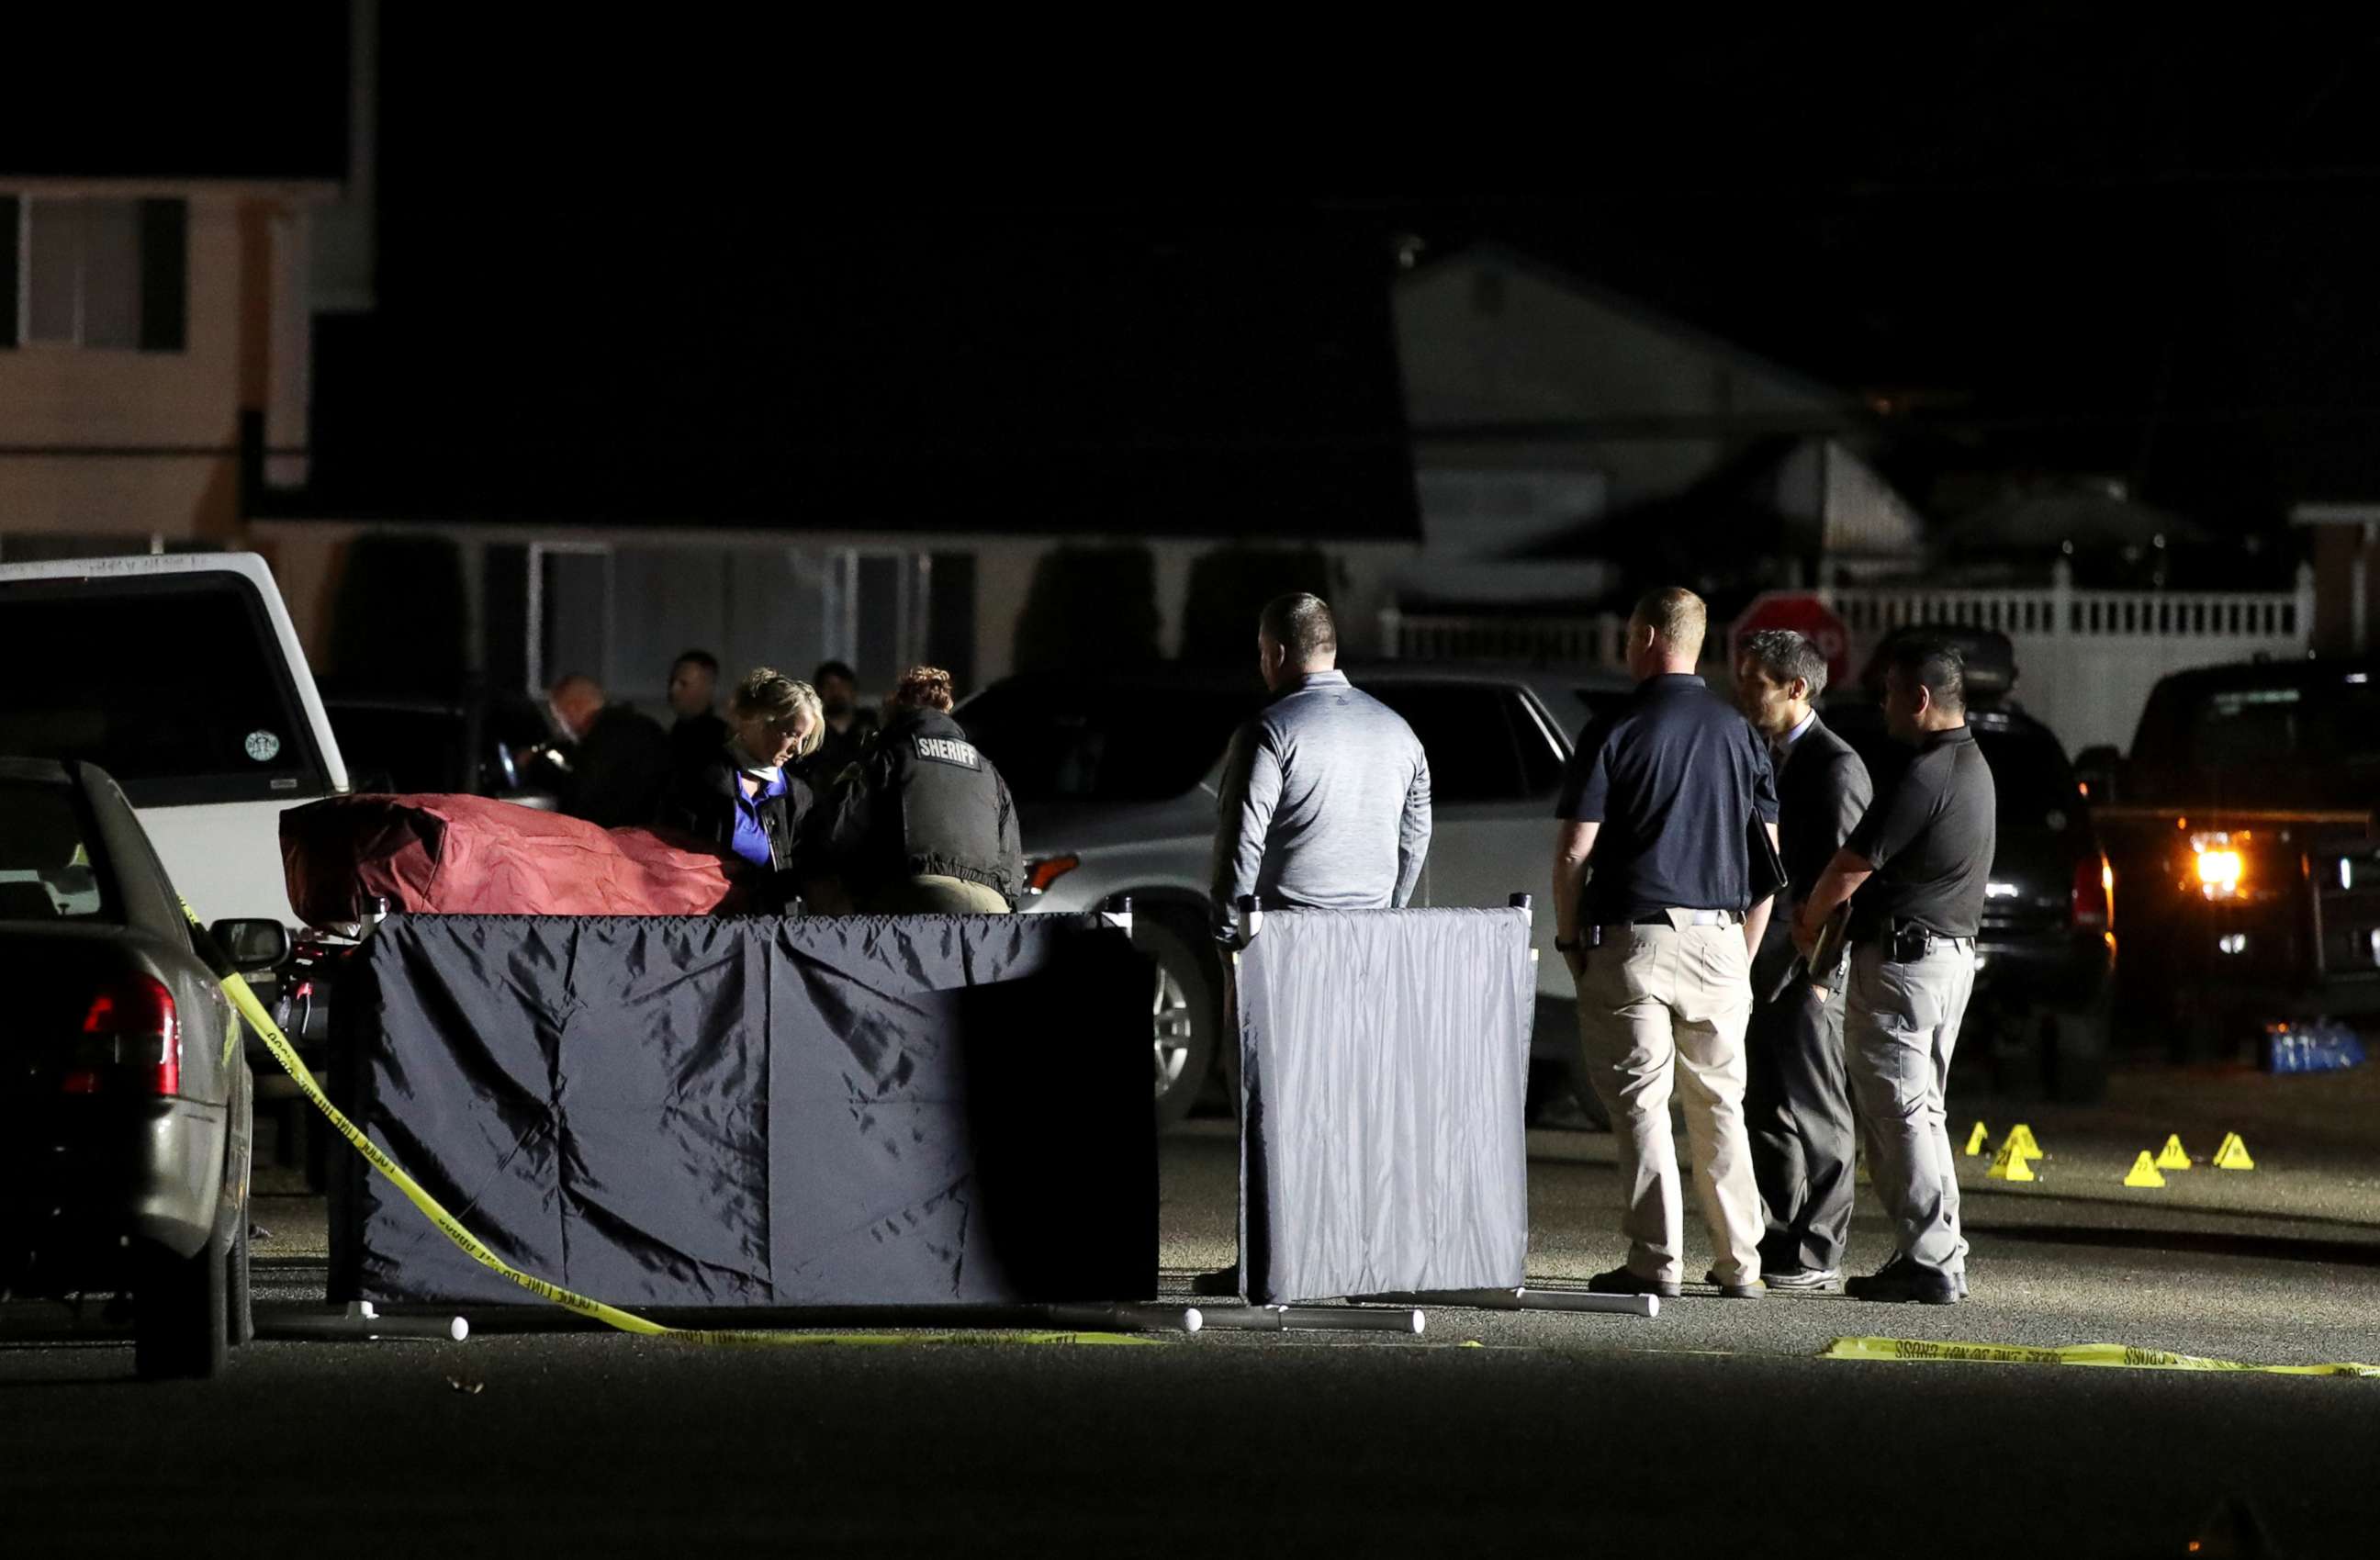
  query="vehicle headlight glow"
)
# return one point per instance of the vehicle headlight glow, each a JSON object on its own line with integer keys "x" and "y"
{"x": 2219, "y": 861}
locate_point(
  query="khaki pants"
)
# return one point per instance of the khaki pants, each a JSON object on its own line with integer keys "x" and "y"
{"x": 928, "y": 895}
{"x": 1664, "y": 1000}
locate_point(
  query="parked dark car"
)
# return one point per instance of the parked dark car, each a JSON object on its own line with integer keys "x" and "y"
{"x": 2242, "y": 828}
{"x": 2042, "y": 1016}
{"x": 126, "y": 1110}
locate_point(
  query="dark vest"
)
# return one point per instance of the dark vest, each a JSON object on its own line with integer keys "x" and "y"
{"x": 924, "y": 802}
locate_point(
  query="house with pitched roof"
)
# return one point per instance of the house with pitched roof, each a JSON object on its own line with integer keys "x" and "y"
{"x": 1571, "y": 442}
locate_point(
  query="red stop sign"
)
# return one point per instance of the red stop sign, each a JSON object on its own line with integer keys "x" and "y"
{"x": 1805, "y": 615}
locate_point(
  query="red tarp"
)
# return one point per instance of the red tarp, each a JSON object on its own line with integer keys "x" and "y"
{"x": 472, "y": 855}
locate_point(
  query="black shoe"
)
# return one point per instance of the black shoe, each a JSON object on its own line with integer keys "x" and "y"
{"x": 1620, "y": 1281}
{"x": 1899, "y": 1282}
{"x": 1753, "y": 1290}
{"x": 1223, "y": 1281}
{"x": 1804, "y": 1280}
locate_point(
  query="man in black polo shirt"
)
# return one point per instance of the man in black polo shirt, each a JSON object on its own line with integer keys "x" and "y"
{"x": 1917, "y": 864}
{"x": 1659, "y": 801}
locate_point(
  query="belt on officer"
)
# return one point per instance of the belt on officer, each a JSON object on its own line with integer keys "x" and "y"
{"x": 1693, "y": 918}
{"x": 1906, "y": 944}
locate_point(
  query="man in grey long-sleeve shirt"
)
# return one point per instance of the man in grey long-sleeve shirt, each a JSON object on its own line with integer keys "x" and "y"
{"x": 1325, "y": 798}
{"x": 1325, "y": 795}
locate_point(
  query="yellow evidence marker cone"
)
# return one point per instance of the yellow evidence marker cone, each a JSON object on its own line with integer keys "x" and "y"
{"x": 2144, "y": 1172}
{"x": 2173, "y": 1157}
{"x": 2020, "y": 1139}
{"x": 2010, "y": 1164}
{"x": 1976, "y": 1140}
{"x": 2233, "y": 1154}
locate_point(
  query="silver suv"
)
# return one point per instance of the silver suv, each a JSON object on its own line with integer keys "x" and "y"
{"x": 1115, "y": 777}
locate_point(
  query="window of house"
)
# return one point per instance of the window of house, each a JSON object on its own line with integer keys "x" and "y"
{"x": 94, "y": 273}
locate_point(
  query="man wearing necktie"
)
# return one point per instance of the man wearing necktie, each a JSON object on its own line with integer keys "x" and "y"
{"x": 1797, "y": 1097}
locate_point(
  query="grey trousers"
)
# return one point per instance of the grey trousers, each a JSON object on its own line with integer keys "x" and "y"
{"x": 1797, "y": 1106}
{"x": 1901, "y": 1028}
{"x": 1663, "y": 1003}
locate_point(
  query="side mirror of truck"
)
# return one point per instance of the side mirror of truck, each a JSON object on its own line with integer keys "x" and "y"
{"x": 252, "y": 946}
{"x": 2101, "y": 770}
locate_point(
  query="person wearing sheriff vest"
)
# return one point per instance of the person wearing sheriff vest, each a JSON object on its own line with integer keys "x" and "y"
{"x": 924, "y": 824}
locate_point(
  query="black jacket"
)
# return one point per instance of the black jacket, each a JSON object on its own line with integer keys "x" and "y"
{"x": 839, "y": 751}
{"x": 923, "y": 802}
{"x": 696, "y": 740}
{"x": 702, "y": 804}
{"x": 619, "y": 771}
{"x": 1823, "y": 791}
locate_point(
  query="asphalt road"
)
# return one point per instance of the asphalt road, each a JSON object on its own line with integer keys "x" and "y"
{"x": 1715, "y": 1428}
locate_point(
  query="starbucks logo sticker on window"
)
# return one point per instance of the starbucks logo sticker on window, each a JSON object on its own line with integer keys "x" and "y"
{"x": 264, "y": 746}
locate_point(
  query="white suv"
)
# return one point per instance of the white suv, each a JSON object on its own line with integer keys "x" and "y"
{"x": 181, "y": 676}
{"x": 1115, "y": 776}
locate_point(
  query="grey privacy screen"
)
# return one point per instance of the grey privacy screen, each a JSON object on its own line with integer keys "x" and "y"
{"x": 1383, "y": 1068}
{"x": 724, "y": 1112}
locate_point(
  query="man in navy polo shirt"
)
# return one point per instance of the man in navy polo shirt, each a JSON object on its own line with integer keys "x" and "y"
{"x": 1654, "y": 915}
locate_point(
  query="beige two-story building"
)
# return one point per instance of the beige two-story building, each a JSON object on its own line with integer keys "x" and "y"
{"x": 155, "y": 350}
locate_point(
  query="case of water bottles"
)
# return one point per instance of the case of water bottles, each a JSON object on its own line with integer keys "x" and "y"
{"x": 2312, "y": 1045}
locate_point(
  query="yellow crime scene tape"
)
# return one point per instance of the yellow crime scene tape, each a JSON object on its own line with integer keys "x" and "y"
{"x": 2118, "y": 1355}
{"x": 245, "y": 998}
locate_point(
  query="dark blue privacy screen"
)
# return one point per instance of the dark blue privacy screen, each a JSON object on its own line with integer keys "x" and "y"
{"x": 751, "y": 1111}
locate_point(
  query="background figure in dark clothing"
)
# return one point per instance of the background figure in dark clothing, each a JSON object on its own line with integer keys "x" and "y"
{"x": 926, "y": 824}
{"x": 746, "y": 801}
{"x": 848, "y": 727}
{"x": 1797, "y": 1101}
{"x": 620, "y": 767}
{"x": 699, "y": 733}
{"x": 1917, "y": 864}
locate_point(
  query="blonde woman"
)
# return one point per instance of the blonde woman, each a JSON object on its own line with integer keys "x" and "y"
{"x": 746, "y": 800}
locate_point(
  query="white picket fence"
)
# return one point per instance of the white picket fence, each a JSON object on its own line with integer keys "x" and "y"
{"x": 2085, "y": 659}
{"x": 1598, "y": 641}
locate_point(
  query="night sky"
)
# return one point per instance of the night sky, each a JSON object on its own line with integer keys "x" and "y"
{"x": 698, "y": 269}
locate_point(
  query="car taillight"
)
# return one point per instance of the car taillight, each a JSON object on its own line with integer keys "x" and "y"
{"x": 1043, "y": 870}
{"x": 2094, "y": 894}
{"x": 131, "y": 1039}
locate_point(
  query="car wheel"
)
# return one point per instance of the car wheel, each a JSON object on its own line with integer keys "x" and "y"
{"x": 1558, "y": 1097}
{"x": 1182, "y": 1018}
{"x": 1559, "y": 1093}
{"x": 239, "y": 1306}
{"x": 180, "y": 1322}
{"x": 2074, "y": 1057}
{"x": 240, "y": 1309}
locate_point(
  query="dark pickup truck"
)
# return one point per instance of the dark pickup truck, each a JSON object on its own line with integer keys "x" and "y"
{"x": 2241, "y": 832}
{"x": 2039, "y": 1018}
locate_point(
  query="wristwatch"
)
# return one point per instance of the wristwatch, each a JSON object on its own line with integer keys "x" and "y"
{"x": 1573, "y": 945}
